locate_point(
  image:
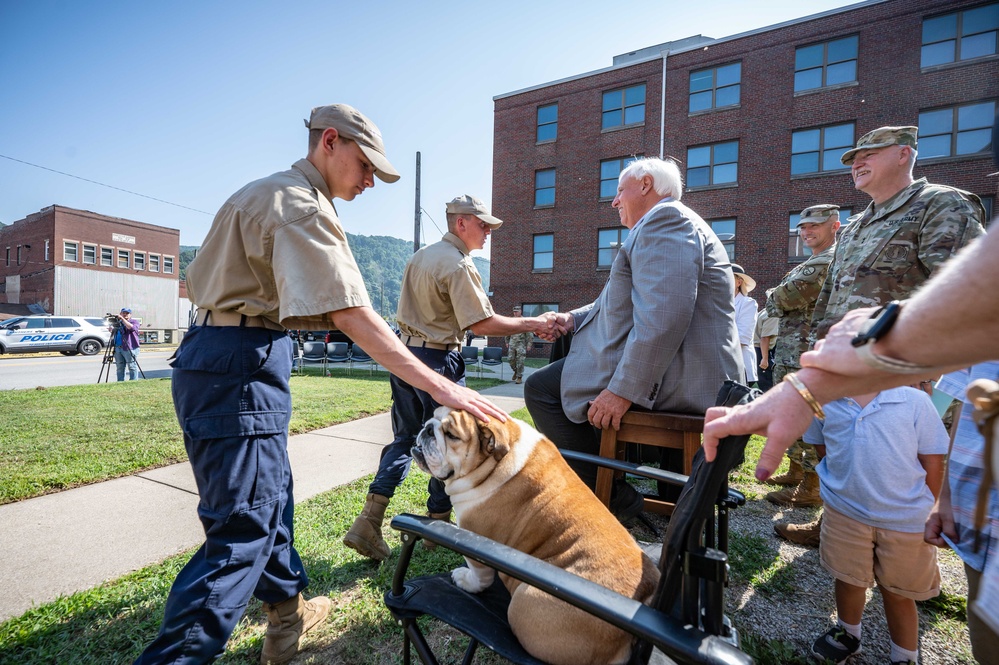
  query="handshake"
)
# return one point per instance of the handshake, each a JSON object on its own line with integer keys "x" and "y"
{"x": 551, "y": 325}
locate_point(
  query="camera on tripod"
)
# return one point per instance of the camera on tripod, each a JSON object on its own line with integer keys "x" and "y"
{"x": 113, "y": 321}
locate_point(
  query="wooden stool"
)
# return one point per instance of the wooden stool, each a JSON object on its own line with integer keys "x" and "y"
{"x": 654, "y": 428}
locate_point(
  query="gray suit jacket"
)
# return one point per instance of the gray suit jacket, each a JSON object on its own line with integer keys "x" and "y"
{"x": 662, "y": 333}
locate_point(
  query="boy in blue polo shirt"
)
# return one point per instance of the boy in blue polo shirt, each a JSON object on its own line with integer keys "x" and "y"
{"x": 881, "y": 470}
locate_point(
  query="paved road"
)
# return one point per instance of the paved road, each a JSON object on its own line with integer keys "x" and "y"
{"x": 48, "y": 370}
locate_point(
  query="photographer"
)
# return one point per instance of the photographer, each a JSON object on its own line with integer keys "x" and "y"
{"x": 126, "y": 344}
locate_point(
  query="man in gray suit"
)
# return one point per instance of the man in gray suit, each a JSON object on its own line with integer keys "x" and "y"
{"x": 661, "y": 336}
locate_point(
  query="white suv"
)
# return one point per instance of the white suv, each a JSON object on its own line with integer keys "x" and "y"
{"x": 69, "y": 335}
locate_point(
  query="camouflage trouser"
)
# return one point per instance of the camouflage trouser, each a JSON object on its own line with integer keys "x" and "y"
{"x": 517, "y": 361}
{"x": 800, "y": 452}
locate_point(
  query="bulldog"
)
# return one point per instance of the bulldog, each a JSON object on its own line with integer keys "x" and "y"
{"x": 509, "y": 483}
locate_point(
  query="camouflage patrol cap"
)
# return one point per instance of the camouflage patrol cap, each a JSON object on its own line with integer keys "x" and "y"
{"x": 882, "y": 137}
{"x": 818, "y": 214}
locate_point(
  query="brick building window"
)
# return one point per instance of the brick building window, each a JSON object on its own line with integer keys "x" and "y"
{"x": 716, "y": 164}
{"x": 168, "y": 265}
{"x": 959, "y": 130}
{"x": 609, "y": 241}
{"x": 796, "y": 250}
{"x": 623, "y": 107}
{"x": 47, "y": 251}
{"x": 19, "y": 254}
{"x": 123, "y": 258}
{"x": 610, "y": 169}
{"x": 538, "y": 308}
{"x": 544, "y": 188}
{"x": 547, "y": 123}
{"x": 825, "y": 64}
{"x": 960, "y": 36}
{"x": 725, "y": 230}
{"x": 139, "y": 261}
{"x": 107, "y": 256}
{"x": 154, "y": 263}
{"x": 8, "y": 257}
{"x": 988, "y": 202}
{"x": 818, "y": 150}
{"x": 70, "y": 251}
{"x": 90, "y": 254}
{"x": 544, "y": 252}
{"x": 715, "y": 88}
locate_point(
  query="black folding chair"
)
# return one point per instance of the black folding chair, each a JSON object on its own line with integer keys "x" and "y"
{"x": 685, "y": 622}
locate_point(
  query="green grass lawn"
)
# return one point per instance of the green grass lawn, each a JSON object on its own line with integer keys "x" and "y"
{"x": 57, "y": 438}
{"x": 113, "y": 622}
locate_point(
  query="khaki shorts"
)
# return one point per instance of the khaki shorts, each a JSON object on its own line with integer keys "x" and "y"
{"x": 859, "y": 554}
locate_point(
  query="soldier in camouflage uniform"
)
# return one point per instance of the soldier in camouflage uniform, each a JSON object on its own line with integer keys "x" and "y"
{"x": 899, "y": 241}
{"x": 792, "y": 302}
{"x": 517, "y": 345}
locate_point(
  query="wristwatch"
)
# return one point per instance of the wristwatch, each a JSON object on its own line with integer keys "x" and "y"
{"x": 876, "y": 328}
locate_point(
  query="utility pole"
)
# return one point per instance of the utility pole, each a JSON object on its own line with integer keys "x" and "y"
{"x": 416, "y": 223}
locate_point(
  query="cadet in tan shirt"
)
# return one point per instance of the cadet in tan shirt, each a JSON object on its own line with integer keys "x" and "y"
{"x": 276, "y": 257}
{"x": 442, "y": 297}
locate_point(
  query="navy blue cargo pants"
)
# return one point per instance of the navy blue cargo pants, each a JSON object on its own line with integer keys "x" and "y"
{"x": 411, "y": 408}
{"x": 230, "y": 391}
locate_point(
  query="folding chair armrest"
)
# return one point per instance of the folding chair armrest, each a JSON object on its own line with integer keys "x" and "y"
{"x": 678, "y": 641}
{"x": 733, "y": 499}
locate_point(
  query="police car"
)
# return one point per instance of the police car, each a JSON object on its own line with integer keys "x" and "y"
{"x": 69, "y": 335}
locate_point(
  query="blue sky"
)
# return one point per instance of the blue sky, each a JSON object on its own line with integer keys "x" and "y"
{"x": 187, "y": 101}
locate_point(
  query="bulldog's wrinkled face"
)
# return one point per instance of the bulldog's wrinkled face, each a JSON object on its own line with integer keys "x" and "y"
{"x": 453, "y": 444}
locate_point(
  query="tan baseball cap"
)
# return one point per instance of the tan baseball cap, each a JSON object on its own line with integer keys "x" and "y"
{"x": 882, "y": 137}
{"x": 818, "y": 214}
{"x": 469, "y": 205}
{"x": 354, "y": 125}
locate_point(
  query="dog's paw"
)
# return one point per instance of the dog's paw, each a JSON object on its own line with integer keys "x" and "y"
{"x": 467, "y": 580}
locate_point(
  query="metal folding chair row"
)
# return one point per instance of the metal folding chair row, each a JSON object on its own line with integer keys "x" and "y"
{"x": 327, "y": 353}
{"x": 491, "y": 356}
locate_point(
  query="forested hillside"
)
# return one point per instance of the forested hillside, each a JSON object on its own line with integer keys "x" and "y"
{"x": 381, "y": 260}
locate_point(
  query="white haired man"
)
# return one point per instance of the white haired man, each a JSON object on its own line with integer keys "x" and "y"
{"x": 628, "y": 346}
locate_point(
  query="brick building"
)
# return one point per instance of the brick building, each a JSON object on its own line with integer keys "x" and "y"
{"x": 758, "y": 122}
{"x": 66, "y": 261}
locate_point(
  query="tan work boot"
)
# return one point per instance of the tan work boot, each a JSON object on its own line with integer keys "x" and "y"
{"x": 427, "y": 545}
{"x": 805, "y": 493}
{"x": 793, "y": 476}
{"x": 287, "y": 621}
{"x": 801, "y": 534}
{"x": 365, "y": 535}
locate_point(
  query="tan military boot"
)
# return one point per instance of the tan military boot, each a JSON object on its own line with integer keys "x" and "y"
{"x": 801, "y": 534}
{"x": 365, "y": 535}
{"x": 805, "y": 493}
{"x": 793, "y": 476}
{"x": 287, "y": 621}
{"x": 427, "y": 545}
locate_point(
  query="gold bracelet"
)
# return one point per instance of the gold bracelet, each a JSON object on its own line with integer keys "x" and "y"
{"x": 806, "y": 395}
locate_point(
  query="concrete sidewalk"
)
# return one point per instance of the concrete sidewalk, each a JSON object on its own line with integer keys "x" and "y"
{"x": 62, "y": 543}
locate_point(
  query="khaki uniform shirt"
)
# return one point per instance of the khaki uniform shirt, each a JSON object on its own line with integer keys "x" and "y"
{"x": 886, "y": 253}
{"x": 792, "y": 302}
{"x": 442, "y": 294}
{"x": 766, "y": 326}
{"x": 276, "y": 249}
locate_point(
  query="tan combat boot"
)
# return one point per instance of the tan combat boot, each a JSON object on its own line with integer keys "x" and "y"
{"x": 805, "y": 493}
{"x": 287, "y": 621}
{"x": 365, "y": 535}
{"x": 801, "y": 534}
{"x": 427, "y": 545}
{"x": 793, "y": 476}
